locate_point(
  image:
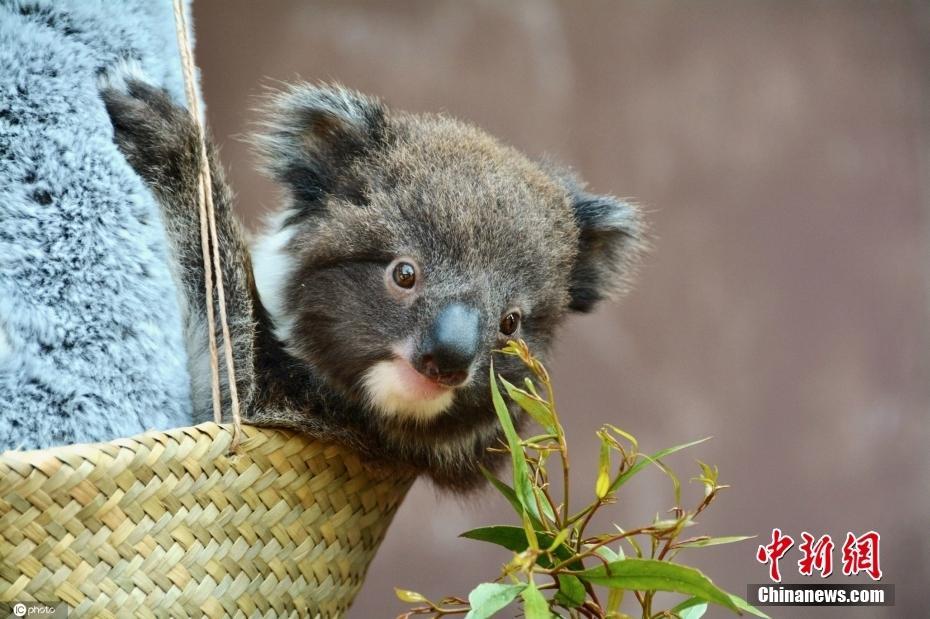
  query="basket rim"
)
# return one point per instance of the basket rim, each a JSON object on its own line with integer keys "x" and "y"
{"x": 127, "y": 442}
{"x": 222, "y": 432}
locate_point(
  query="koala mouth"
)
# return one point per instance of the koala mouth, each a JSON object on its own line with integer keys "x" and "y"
{"x": 396, "y": 389}
{"x": 422, "y": 386}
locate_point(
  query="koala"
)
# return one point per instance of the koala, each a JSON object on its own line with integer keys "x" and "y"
{"x": 407, "y": 249}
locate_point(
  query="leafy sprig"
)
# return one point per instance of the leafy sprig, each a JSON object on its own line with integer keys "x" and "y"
{"x": 558, "y": 567}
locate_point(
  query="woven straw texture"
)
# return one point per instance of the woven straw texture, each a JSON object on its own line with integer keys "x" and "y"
{"x": 167, "y": 524}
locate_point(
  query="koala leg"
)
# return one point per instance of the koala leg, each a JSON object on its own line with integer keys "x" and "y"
{"x": 162, "y": 143}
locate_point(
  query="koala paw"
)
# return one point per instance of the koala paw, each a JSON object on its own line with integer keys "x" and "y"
{"x": 158, "y": 137}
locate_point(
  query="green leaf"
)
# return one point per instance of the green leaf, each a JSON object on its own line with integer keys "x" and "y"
{"x": 692, "y": 601}
{"x": 709, "y": 472}
{"x": 530, "y": 387}
{"x": 709, "y": 477}
{"x": 412, "y": 597}
{"x": 530, "y": 532}
{"x": 636, "y": 468}
{"x": 560, "y": 539}
{"x": 535, "y": 605}
{"x": 694, "y": 612}
{"x": 626, "y": 435}
{"x": 746, "y": 607}
{"x": 514, "y": 538}
{"x": 534, "y": 406}
{"x": 666, "y": 523}
{"x": 490, "y": 597}
{"x": 676, "y": 484}
{"x": 571, "y": 592}
{"x": 649, "y": 574}
{"x": 544, "y": 502}
{"x": 614, "y": 599}
{"x": 511, "y": 538}
{"x": 631, "y": 540}
{"x": 713, "y": 541}
{"x": 504, "y": 489}
{"x": 602, "y": 485}
{"x": 511, "y": 496}
{"x": 539, "y": 438}
{"x": 521, "y": 474}
{"x": 607, "y": 553}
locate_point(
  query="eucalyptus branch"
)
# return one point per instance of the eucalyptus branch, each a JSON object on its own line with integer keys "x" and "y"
{"x": 548, "y": 541}
{"x": 584, "y": 523}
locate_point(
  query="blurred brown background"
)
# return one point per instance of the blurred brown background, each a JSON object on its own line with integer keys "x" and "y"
{"x": 781, "y": 150}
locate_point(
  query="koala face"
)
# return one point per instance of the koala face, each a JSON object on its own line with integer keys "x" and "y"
{"x": 413, "y": 246}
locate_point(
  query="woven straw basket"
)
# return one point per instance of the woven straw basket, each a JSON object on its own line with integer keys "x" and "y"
{"x": 169, "y": 524}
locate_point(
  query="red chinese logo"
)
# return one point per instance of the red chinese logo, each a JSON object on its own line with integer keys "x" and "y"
{"x": 773, "y": 552}
{"x": 860, "y": 554}
{"x": 817, "y": 555}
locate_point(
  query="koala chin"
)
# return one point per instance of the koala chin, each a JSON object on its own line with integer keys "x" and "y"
{"x": 407, "y": 249}
{"x": 396, "y": 388}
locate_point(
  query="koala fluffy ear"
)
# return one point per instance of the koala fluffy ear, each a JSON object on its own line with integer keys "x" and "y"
{"x": 310, "y": 133}
{"x": 610, "y": 241}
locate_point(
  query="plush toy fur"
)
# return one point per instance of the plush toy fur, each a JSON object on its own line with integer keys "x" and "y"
{"x": 91, "y": 343}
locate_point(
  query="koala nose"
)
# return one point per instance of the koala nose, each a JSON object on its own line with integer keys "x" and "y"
{"x": 451, "y": 345}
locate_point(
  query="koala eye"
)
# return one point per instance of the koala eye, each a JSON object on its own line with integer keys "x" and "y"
{"x": 404, "y": 275}
{"x": 510, "y": 322}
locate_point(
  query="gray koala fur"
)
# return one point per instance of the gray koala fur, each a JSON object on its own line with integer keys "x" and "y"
{"x": 322, "y": 325}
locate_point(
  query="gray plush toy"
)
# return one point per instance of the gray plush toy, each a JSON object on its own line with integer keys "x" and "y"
{"x": 91, "y": 343}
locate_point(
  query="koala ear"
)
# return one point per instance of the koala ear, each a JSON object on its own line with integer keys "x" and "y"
{"x": 310, "y": 133}
{"x": 609, "y": 244}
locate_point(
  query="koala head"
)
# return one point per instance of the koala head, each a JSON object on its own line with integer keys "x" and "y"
{"x": 412, "y": 246}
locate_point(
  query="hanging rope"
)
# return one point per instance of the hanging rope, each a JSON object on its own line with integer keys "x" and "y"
{"x": 208, "y": 239}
